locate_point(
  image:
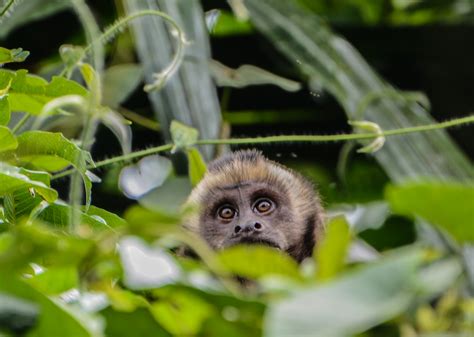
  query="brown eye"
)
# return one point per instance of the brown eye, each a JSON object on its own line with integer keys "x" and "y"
{"x": 226, "y": 212}
{"x": 263, "y": 205}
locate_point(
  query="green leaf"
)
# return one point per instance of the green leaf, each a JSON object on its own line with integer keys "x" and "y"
{"x": 247, "y": 75}
{"x": 119, "y": 82}
{"x": 448, "y": 206}
{"x": 55, "y": 319}
{"x": 54, "y": 281}
{"x": 181, "y": 312}
{"x": 51, "y": 152}
{"x": 40, "y": 243}
{"x": 332, "y": 250}
{"x": 119, "y": 126}
{"x": 349, "y": 305}
{"x": 7, "y": 139}
{"x": 4, "y": 110}
{"x": 12, "y": 55}
{"x": 29, "y": 93}
{"x": 265, "y": 261}
{"x": 196, "y": 166}
{"x": 137, "y": 323}
{"x": 111, "y": 219}
{"x": 182, "y": 135}
{"x": 58, "y": 216}
{"x": 13, "y": 178}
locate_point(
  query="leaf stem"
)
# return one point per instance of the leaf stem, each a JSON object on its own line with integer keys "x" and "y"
{"x": 284, "y": 138}
{"x": 21, "y": 122}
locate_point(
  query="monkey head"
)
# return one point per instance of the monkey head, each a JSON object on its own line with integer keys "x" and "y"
{"x": 246, "y": 198}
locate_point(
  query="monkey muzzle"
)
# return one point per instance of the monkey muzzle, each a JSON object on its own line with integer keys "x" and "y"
{"x": 252, "y": 232}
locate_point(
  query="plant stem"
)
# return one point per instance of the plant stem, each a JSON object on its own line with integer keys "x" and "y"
{"x": 7, "y": 7}
{"x": 21, "y": 122}
{"x": 283, "y": 138}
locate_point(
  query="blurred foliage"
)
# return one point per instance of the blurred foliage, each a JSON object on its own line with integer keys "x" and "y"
{"x": 107, "y": 274}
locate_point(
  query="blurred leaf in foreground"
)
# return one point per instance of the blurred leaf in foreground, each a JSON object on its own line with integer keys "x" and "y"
{"x": 449, "y": 206}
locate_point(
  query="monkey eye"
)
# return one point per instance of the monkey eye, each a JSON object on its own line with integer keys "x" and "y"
{"x": 263, "y": 205}
{"x": 226, "y": 212}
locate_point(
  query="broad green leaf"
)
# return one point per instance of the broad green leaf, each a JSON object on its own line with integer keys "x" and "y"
{"x": 331, "y": 252}
{"x": 40, "y": 243}
{"x": 20, "y": 203}
{"x": 55, "y": 318}
{"x": 54, "y": 281}
{"x": 111, "y": 219}
{"x": 137, "y": 323}
{"x": 7, "y": 139}
{"x": 247, "y": 75}
{"x": 29, "y": 93}
{"x": 13, "y": 55}
{"x": 51, "y": 152}
{"x": 4, "y": 110}
{"x": 17, "y": 316}
{"x": 449, "y": 206}
{"x": 149, "y": 173}
{"x": 349, "y": 305}
{"x": 58, "y": 216}
{"x": 181, "y": 312}
{"x": 265, "y": 261}
{"x": 119, "y": 82}
{"x": 147, "y": 223}
{"x": 182, "y": 135}
{"x": 196, "y": 166}
{"x": 13, "y": 178}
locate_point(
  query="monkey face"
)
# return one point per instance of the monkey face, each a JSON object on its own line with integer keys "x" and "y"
{"x": 246, "y": 198}
{"x": 248, "y": 212}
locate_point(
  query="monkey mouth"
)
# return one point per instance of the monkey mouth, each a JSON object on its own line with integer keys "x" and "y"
{"x": 258, "y": 240}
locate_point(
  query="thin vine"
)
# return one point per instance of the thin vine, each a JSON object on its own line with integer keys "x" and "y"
{"x": 283, "y": 138}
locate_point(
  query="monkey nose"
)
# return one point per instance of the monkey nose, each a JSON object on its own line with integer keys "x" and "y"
{"x": 249, "y": 227}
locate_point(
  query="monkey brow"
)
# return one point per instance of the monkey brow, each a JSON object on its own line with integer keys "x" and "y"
{"x": 233, "y": 187}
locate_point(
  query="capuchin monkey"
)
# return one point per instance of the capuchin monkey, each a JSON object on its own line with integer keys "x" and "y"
{"x": 245, "y": 198}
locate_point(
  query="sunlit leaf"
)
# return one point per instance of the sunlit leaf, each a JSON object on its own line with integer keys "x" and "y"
{"x": 13, "y": 178}
{"x": 7, "y": 139}
{"x": 13, "y": 55}
{"x": 52, "y": 151}
{"x": 448, "y": 206}
{"x": 331, "y": 252}
{"x": 4, "y": 110}
{"x": 181, "y": 312}
{"x": 265, "y": 261}
{"x": 29, "y": 93}
{"x": 56, "y": 280}
{"x": 370, "y": 215}
{"x": 149, "y": 173}
{"x": 196, "y": 165}
{"x": 247, "y": 75}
